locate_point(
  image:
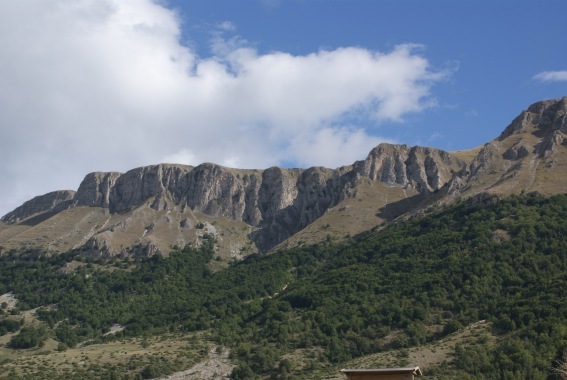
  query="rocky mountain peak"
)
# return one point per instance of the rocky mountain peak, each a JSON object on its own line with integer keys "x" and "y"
{"x": 527, "y": 156}
{"x": 545, "y": 116}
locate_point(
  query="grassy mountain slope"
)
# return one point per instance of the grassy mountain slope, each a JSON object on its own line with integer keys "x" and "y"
{"x": 304, "y": 312}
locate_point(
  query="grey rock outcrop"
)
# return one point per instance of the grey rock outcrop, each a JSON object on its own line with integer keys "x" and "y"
{"x": 546, "y": 116}
{"x": 516, "y": 152}
{"x": 425, "y": 169}
{"x": 50, "y": 202}
{"x": 528, "y": 146}
{"x": 218, "y": 191}
{"x": 95, "y": 189}
{"x": 277, "y": 202}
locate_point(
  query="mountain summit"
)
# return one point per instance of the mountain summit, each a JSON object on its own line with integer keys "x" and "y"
{"x": 149, "y": 209}
{"x": 530, "y": 155}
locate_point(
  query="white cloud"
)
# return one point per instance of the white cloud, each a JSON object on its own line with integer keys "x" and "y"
{"x": 552, "y": 76}
{"x": 184, "y": 156}
{"x": 334, "y": 146}
{"x": 106, "y": 85}
{"x": 227, "y": 26}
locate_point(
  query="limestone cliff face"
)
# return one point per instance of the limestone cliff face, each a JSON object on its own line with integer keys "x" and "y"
{"x": 137, "y": 186}
{"x": 289, "y": 200}
{"x": 162, "y": 205}
{"x": 553, "y": 129}
{"x": 54, "y": 201}
{"x": 218, "y": 191}
{"x": 425, "y": 169}
{"x": 275, "y": 202}
{"x": 95, "y": 189}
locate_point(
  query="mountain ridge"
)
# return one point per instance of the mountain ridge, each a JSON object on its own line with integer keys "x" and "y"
{"x": 157, "y": 206}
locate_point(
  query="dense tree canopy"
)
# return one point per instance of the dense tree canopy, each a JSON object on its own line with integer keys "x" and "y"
{"x": 502, "y": 260}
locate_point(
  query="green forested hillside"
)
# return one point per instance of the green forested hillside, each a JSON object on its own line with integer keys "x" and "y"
{"x": 503, "y": 261}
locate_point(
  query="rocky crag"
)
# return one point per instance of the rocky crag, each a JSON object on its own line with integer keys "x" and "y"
{"x": 275, "y": 203}
{"x": 149, "y": 209}
{"x": 529, "y": 155}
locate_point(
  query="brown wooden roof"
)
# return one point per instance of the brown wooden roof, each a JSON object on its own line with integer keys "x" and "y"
{"x": 385, "y": 371}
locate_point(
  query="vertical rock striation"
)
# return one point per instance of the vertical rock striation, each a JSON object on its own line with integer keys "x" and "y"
{"x": 277, "y": 202}
{"x": 424, "y": 169}
{"x": 95, "y": 189}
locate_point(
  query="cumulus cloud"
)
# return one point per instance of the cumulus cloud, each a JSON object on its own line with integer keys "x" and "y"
{"x": 552, "y": 76}
{"x": 335, "y": 146}
{"x": 107, "y": 85}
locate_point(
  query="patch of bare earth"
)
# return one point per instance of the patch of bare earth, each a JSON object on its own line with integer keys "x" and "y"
{"x": 216, "y": 366}
{"x": 9, "y": 299}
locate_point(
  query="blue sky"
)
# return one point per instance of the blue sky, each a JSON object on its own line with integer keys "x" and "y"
{"x": 110, "y": 85}
{"x": 493, "y": 48}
